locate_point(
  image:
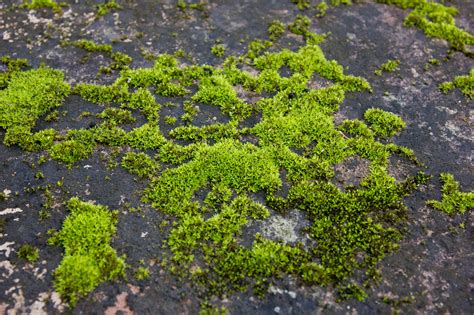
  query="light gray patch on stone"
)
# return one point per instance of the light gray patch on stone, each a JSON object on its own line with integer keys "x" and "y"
{"x": 286, "y": 228}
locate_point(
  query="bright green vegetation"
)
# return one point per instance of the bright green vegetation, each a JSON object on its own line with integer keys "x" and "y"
{"x": 29, "y": 95}
{"x": 302, "y": 4}
{"x": 139, "y": 164}
{"x": 337, "y": 3}
{"x": 90, "y": 46}
{"x": 275, "y": 30}
{"x": 28, "y": 252}
{"x": 13, "y": 66}
{"x": 383, "y": 123}
{"x": 106, "y": 7}
{"x": 322, "y": 8}
{"x": 300, "y": 26}
{"x": 389, "y": 66}
{"x": 182, "y": 5}
{"x": 88, "y": 257}
{"x": 218, "y": 50}
{"x": 464, "y": 83}
{"x": 435, "y": 20}
{"x": 142, "y": 273}
{"x": 41, "y": 4}
{"x": 119, "y": 60}
{"x": 452, "y": 201}
{"x": 293, "y": 139}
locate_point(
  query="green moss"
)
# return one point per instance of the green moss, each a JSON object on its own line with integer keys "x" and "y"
{"x": 107, "y": 6}
{"x": 435, "y": 20}
{"x": 300, "y": 26}
{"x": 452, "y": 201}
{"x": 146, "y": 137}
{"x": 79, "y": 145}
{"x": 389, "y": 66}
{"x": 116, "y": 116}
{"x": 170, "y": 120}
{"x": 29, "y": 253}
{"x": 337, "y": 3}
{"x": 275, "y": 30}
{"x": 464, "y": 83}
{"x": 218, "y": 50}
{"x": 88, "y": 258}
{"x": 29, "y": 95}
{"x": 120, "y": 60}
{"x": 217, "y": 91}
{"x": 140, "y": 164}
{"x": 383, "y": 123}
{"x": 210, "y": 179}
{"x": 142, "y": 273}
{"x": 302, "y": 4}
{"x": 41, "y": 4}
{"x": 322, "y": 8}
{"x": 13, "y": 66}
{"x": 90, "y": 46}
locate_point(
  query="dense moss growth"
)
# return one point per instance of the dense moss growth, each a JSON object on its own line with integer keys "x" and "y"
{"x": 383, "y": 123}
{"x": 29, "y": 95}
{"x": 465, "y": 83}
{"x": 389, "y": 66}
{"x": 28, "y": 252}
{"x": 41, "y": 4}
{"x": 139, "y": 164}
{"x": 107, "y": 6}
{"x": 275, "y": 30}
{"x": 453, "y": 201}
{"x": 435, "y": 20}
{"x": 13, "y": 65}
{"x": 218, "y": 50}
{"x": 302, "y": 4}
{"x": 88, "y": 257}
{"x": 271, "y": 155}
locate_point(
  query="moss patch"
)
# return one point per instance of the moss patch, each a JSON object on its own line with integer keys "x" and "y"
{"x": 389, "y": 66}
{"x": 28, "y": 252}
{"x": 88, "y": 258}
{"x": 464, "y": 83}
{"x": 383, "y": 123}
{"x": 453, "y": 201}
{"x": 435, "y": 20}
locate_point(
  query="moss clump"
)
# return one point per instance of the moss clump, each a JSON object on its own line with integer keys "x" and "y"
{"x": 217, "y": 91}
{"x": 337, "y": 3}
{"x": 107, "y": 6}
{"x": 452, "y": 201}
{"x": 88, "y": 257}
{"x": 79, "y": 145}
{"x": 389, "y": 66}
{"x": 383, "y": 123}
{"x": 142, "y": 273}
{"x": 29, "y": 95}
{"x": 218, "y": 50}
{"x": 435, "y": 20}
{"x": 29, "y": 253}
{"x": 140, "y": 164}
{"x": 275, "y": 30}
{"x": 117, "y": 116}
{"x": 210, "y": 179}
{"x": 120, "y": 60}
{"x": 464, "y": 83}
{"x": 302, "y": 4}
{"x": 322, "y": 8}
{"x": 41, "y": 4}
{"x": 13, "y": 66}
{"x": 90, "y": 46}
{"x": 300, "y": 26}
